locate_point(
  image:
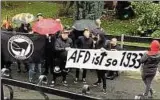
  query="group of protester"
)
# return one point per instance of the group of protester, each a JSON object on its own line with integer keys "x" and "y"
{"x": 58, "y": 44}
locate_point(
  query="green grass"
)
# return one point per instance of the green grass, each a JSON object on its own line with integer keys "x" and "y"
{"x": 46, "y": 8}
{"x": 118, "y": 27}
{"x": 136, "y": 44}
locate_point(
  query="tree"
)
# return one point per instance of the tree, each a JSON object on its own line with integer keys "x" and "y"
{"x": 88, "y": 9}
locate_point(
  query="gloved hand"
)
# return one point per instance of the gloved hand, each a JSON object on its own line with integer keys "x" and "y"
{"x": 67, "y": 48}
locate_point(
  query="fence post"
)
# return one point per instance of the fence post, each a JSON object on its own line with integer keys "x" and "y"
{"x": 122, "y": 39}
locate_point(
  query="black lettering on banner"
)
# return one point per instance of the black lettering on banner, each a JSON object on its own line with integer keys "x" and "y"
{"x": 138, "y": 60}
{"x": 124, "y": 54}
{"x": 87, "y": 57}
{"x": 128, "y": 58}
{"x": 133, "y": 59}
{"x": 114, "y": 62}
{"x": 97, "y": 60}
{"x": 94, "y": 58}
{"x": 108, "y": 62}
{"x": 73, "y": 56}
{"x": 80, "y": 55}
{"x": 103, "y": 54}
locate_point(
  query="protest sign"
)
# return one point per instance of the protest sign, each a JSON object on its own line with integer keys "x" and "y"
{"x": 104, "y": 60}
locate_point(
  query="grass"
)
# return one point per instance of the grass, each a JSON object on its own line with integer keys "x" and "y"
{"x": 50, "y": 9}
{"x": 46, "y": 8}
{"x": 118, "y": 27}
{"x": 137, "y": 44}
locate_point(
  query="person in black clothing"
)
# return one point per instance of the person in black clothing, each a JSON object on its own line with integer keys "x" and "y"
{"x": 62, "y": 45}
{"x": 99, "y": 43}
{"x": 113, "y": 47}
{"x": 25, "y": 28}
{"x": 83, "y": 42}
{"x": 150, "y": 62}
{"x": 49, "y": 53}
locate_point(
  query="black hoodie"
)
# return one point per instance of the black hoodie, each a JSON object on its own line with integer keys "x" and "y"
{"x": 150, "y": 64}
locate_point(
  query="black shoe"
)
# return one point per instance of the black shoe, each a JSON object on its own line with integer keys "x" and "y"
{"x": 104, "y": 91}
{"x": 110, "y": 77}
{"x": 76, "y": 80}
{"x": 64, "y": 83}
{"x": 96, "y": 84}
{"x": 84, "y": 80}
{"x": 151, "y": 92}
{"x": 52, "y": 84}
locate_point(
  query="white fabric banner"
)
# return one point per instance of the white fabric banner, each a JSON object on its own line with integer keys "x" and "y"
{"x": 104, "y": 60}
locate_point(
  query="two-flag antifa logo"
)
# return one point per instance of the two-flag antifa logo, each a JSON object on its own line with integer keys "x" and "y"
{"x": 20, "y": 47}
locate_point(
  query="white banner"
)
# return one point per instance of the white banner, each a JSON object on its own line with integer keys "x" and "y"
{"x": 104, "y": 60}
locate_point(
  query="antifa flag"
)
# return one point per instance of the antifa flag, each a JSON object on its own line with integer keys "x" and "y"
{"x": 20, "y": 46}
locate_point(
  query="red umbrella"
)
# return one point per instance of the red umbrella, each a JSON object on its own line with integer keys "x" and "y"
{"x": 46, "y": 26}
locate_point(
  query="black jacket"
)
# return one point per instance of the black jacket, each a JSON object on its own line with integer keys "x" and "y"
{"x": 84, "y": 43}
{"x": 150, "y": 64}
{"x": 60, "y": 46}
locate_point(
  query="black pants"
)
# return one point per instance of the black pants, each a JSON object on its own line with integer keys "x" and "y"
{"x": 61, "y": 62}
{"x": 147, "y": 79}
{"x": 83, "y": 75}
{"x": 101, "y": 76}
{"x": 63, "y": 72}
{"x": 25, "y": 65}
{"x": 49, "y": 63}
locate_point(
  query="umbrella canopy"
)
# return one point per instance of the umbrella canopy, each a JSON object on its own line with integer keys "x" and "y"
{"x": 85, "y": 23}
{"x": 23, "y": 18}
{"x": 46, "y": 26}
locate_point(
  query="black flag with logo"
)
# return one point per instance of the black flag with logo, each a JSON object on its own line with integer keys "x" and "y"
{"x": 21, "y": 46}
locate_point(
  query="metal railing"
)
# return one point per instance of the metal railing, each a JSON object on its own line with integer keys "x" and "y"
{"x": 6, "y": 81}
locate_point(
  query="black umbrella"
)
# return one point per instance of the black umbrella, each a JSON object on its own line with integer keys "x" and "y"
{"x": 80, "y": 25}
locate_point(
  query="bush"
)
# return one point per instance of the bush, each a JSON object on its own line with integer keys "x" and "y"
{"x": 156, "y": 34}
{"x": 148, "y": 16}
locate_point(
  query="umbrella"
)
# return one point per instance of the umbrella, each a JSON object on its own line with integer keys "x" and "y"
{"x": 23, "y": 18}
{"x": 80, "y": 25}
{"x": 46, "y": 26}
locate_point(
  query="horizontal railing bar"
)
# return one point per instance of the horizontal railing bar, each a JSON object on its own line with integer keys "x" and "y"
{"x": 45, "y": 89}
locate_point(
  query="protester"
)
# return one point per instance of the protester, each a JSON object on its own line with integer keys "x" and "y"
{"x": 62, "y": 45}
{"x": 24, "y": 28}
{"x": 6, "y": 25}
{"x": 99, "y": 43}
{"x": 98, "y": 23}
{"x": 113, "y": 47}
{"x": 49, "y": 53}
{"x": 35, "y": 65}
{"x": 150, "y": 61}
{"x": 39, "y": 16}
{"x": 83, "y": 42}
